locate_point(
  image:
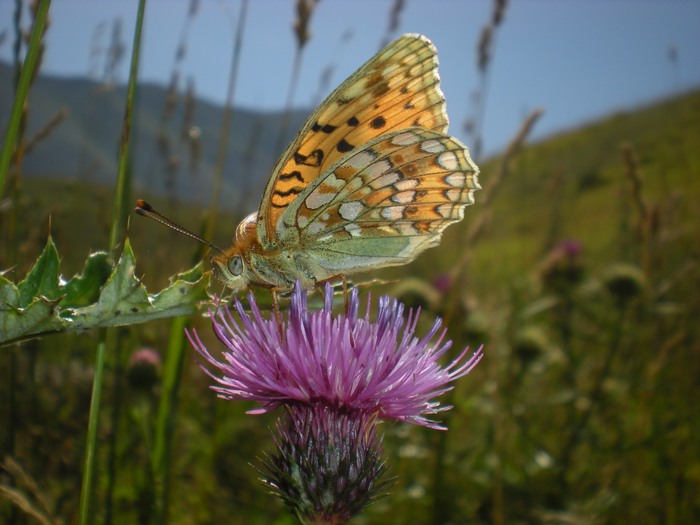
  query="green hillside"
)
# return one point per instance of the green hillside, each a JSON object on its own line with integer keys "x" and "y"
{"x": 177, "y": 137}
{"x": 574, "y": 186}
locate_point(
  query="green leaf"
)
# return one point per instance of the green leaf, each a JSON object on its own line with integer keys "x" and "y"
{"x": 121, "y": 295}
{"x": 187, "y": 288}
{"x": 84, "y": 289}
{"x": 124, "y": 300}
{"x": 36, "y": 318}
{"x": 101, "y": 296}
{"x": 42, "y": 279}
{"x": 9, "y": 295}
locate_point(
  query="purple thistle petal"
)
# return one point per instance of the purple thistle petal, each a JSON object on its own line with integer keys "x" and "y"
{"x": 346, "y": 362}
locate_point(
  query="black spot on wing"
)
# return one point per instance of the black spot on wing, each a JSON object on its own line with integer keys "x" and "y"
{"x": 344, "y": 146}
{"x": 378, "y": 122}
{"x": 326, "y": 128}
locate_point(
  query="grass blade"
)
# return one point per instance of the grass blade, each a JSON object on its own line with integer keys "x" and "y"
{"x": 25, "y": 80}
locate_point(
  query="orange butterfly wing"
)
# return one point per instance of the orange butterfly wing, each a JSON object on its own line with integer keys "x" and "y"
{"x": 383, "y": 204}
{"x": 397, "y": 88}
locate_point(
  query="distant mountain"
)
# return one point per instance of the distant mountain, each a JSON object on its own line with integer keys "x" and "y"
{"x": 85, "y": 143}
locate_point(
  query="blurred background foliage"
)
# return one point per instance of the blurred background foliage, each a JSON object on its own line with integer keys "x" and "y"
{"x": 577, "y": 269}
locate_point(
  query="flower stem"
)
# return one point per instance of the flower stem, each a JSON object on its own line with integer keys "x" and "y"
{"x": 595, "y": 396}
{"x": 91, "y": 447}
{"x": 121, "y": 195}
{"x": 222, "y": 148}
{"x": 165, "y": 420}
{"x": 118, "y": 223}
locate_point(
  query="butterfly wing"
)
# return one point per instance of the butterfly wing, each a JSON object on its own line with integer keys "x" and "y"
{"x": 384, "y": 203}
{"x": 397, "y": 88}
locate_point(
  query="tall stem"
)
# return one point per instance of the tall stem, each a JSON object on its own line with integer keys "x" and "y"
{"x": 25, "y": 80}
{"x": 118, "y": 225}
{"x": 91, "y": 448}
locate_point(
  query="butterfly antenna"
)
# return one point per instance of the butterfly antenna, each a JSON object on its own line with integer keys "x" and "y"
{"x": 146, "y": 210}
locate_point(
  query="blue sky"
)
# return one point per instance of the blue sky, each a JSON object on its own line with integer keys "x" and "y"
{"x": 577, "y": 59}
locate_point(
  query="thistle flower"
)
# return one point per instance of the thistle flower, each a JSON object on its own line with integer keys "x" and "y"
{"x": 624, "y": 281}
{"x": 337, "y": 375}
{"x": 343, "y": 361}
{"x": 144, "y": 367}
{"x": 562, "y": 267}
{"x": 328, "y": 464}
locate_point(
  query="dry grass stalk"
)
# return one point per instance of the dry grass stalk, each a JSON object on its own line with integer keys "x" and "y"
{"x": 508, "y": 158}
{"x": 188, "y": 111}
{"x": 484, "y": 48}
{"x": 115, "y": 54}
{"x": 26, "y": 494}
{"x": 499, "y": 12}
{"x": 46, "y": 129}
{"x": 485, "y": 197}
{"x": 473, "y": 124}
{"x": 631, "y": 171}
{"x": 227, "y": 121}
{"x": 305, "y": 8}
{"x": 648, "y": 222}
{"x": 394, "y": 21}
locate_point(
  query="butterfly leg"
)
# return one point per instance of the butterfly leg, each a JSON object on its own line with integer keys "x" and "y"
{"x": 333, "y": 280}
{"x": 347, "y": 305}
{"x": 276, "y": 310}
{"x": 345, "y": 293}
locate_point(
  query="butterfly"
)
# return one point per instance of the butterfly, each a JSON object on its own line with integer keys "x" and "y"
{"x": 371, "y": 180}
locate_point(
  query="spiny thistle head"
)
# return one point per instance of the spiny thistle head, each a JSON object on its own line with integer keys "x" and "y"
{"x": 328, "y": 464}
{"x": 336, "y": 375}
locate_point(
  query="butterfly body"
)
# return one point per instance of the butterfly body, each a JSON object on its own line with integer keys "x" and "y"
{"x": 371, "y": 180}
{"x": 246, "y": 263}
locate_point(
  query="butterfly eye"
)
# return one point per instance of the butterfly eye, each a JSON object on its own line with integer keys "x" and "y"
{"x": 235, "y": 265}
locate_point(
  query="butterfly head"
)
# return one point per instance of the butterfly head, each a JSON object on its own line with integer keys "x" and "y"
{"x": 231, "y": 268}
